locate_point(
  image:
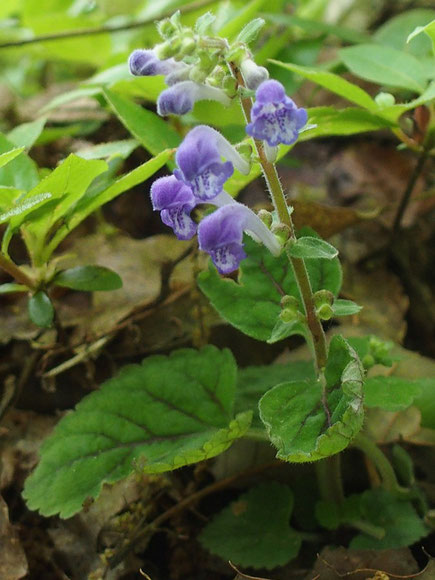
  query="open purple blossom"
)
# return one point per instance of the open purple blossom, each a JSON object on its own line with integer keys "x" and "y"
{"x": 200, "y": 165}
{"x": 180, "y": 97}
{"x": 221, "y": 235}
{"x": 175, "y": 201}
{"x": 275, "y": 118}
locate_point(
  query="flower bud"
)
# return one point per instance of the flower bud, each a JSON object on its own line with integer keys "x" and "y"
{"x": 167, "y": 49}
{"x": 253, "y": 74}
{"x": 322, "y": 297}
{"x": 325, "y": 312}
{"x": 266, "y": 217}
{"x": 245, "y": 150}
{"x": 385, "y": 100}
{"x": 290, "y": 309}
{"x": 282, "y": 233}
{"x": 166, "y": 29}
{"x": 230, "y": 86}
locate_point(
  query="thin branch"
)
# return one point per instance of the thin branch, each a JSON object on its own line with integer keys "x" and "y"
{"x": 103, "y": 29}
{"x": 408, "y": 192}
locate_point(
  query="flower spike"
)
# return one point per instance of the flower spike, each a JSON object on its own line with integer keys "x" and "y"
{"x": 175, "y": 201}
{"x": 180, "y": 97}
{"x": 275, "y": 118}
{"x": 221, "y": 235}
{"x": 200, "y": 165}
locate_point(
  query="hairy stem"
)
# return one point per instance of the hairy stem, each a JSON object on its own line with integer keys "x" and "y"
{"x": 21, "y": 277}
{"x": 298, "y": 264}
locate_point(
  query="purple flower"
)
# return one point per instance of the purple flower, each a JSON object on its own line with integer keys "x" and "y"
{"x": 144, "y": 63}
{"x": 274, "y": 117}
{"x": 199, "y": 162}
{"x": 175, "y": 201}
{"x": 180, "y": 97}
{"x": 221, "y": 235}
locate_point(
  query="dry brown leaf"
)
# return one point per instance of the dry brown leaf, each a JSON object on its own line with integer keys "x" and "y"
{"x": 13, "y": 562}
{"x": 341, "y": 563}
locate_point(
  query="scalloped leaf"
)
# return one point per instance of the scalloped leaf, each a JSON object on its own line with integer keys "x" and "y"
{"x": 254, "y": 530}
{"x": 300, "y": 425}
{"x": 163, "y": 414}
{"x": 252, "y": 304}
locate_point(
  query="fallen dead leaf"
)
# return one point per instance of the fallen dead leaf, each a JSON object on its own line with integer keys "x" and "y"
{"x": 13, "y": 562}
{"x": 339, "y": 563}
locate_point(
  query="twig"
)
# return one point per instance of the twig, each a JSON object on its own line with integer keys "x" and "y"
{"x": 103, "y": 29}
{"x": 407, "y": 193}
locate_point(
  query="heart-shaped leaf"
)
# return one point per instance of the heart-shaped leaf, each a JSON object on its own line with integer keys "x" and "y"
{"x": 254, "y": 530}
{"x": 304, "y": 422}
{"x": 160, "y": 415}
{"x": 252, "y": 304}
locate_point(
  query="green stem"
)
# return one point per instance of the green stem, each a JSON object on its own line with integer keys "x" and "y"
{"x": 298, "y": 264}
{"x": 368, "y": 528}
{"x": 329, "y": 479}
{"x": 8, "y": 266}
{"x": 384, "y": 467}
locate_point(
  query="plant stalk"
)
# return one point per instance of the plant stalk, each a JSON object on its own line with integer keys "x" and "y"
{"x": 17, "y": 273}
{"x": 386, "y": 471}
{"x": 407, "y": 193}
{"x": 274, "y": 185}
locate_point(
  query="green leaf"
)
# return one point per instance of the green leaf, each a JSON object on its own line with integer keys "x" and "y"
{"x": 10, "y": 287}
{"x": 252, "y": 304}
{"x": 160, "y": 415}
{"x": 398, "y": 518}
{"x": 26, "y": 134}
{"x": 253, "y": 382}
{"x": 309, "y": 248}
{"x": 333, "y": 83}
{"x": 250, "y": 31}
{"x": 147, "y": 127}
{"x": 295, "y": 416}
{"x": 91, "y": 201}
{"x": 8, "y": 195}
{"x": 89, "y": 278}
{"x": 314, "y": 26}
{"x": 350, "y": 121}
{"x": 21, "y": 172}
{"x": 396, "y": 31}
{"x": 425, "y": 401}
{"x": 345, "y": 307}
{"x": 429, "y": 30}
{"x": 385, "y": 65}
{"x": 109, "y": 150}
{"x": 66, "y": 184}
{"x": 254, "y": 531}
{"x": 21, "y": 210}
{"x": 233, "y": 27}
{"x": 40, "y": 309}
{"x": 392, "y": 393}
{"x": 10, "y": 155}
{"x": 204, "y": 24}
